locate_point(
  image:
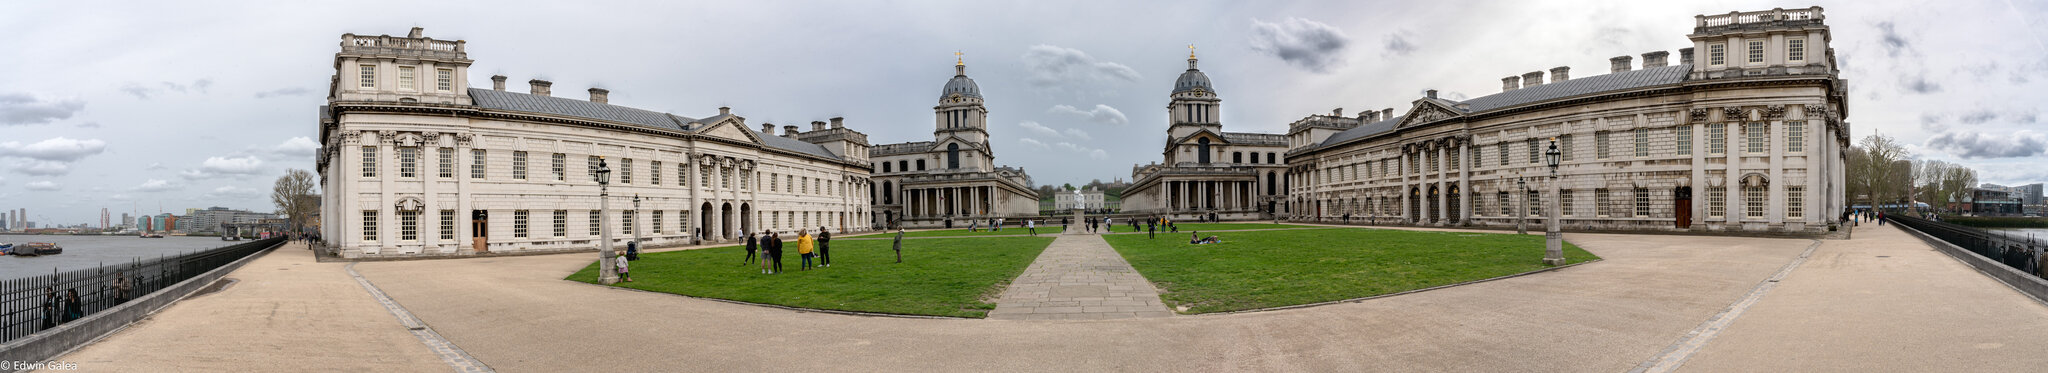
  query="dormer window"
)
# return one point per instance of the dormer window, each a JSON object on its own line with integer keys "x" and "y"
{"x": 369, "y": 76}
{"x": 1717, "y": 54}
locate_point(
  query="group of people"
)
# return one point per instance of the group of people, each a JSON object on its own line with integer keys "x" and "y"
{"x": 769, "y": 246}
{"x": 69, "y": 307}
{"x": 994, "y": 224}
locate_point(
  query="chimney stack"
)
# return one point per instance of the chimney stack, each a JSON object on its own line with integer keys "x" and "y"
{"x": 1560, "y": 73}
{"x": 1620, "y": 63}
{"x": 1510, "y": 83}
{"x": 598, "y": 95}
{"x": 1656, "y": 59}
{"x": 723, "y": 110}
{"x": 1338, "y": 112}
{"x": 1685, "y": 55}
{"x": 789, "y": 131}
{"x": 817, "y": 125}
{"x": 767, "y": 129}
{"x": 837, "y": 122}
{"x": 540, "y": 87}
{"x": 1532, "y": 79}
{"x": 498, "y": 82}
{"x": 1387, "y": 113}
{"x": 1429, "y": 93}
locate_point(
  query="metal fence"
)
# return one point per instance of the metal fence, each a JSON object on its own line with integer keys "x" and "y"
{"x": 32, "y": 304}
{"x": 2021, "y": 253}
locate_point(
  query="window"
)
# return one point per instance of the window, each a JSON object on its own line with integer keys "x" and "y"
{"x": 408, "y": 162}
{"x": 590, "y": 164}
{"x": 1795, "y": 202}
{"x": 476, "y": 163}
{"x": 1600, "y": 145}
{"x": 1503, "y": 150}
{"x": 561, "y": 223}
{"x": 1753, "y": 202}
{"x": 626, "y": 221}
{"x": 1717, "y": 138}
{"x": 1564, "y": 202}
{"x": 369, "y": 161}
{"x": 625, "y": 170}
{"x": 1564, "y": 145}
{"x": 724, "y": 178}
{"x": 1642, "y": 143}
{"x": 1269, "y": 158}
{"x": 1717, "y": 54}
{"x": 408, "y": 225}
{"x": 654, "y": 173}
{"x": 369, "y": 76}
{"x": 704, "y": 177}
{"x": 1600, "y": 202}
{"x": 1684, "y": 139}
{"x": 1795, "y": 137}
{"x": 559, "y": 164}
{"x": 657, "y": 222}
{"x": 1384, "y": 166}
{"x": 405, "y": 80}
{"x": 518, "y": 165}
{"x": 1535, "y": 152}
{"x": 683, "y": 175}
{"x": 746, "y": 179}
{"x": 1414, "y": 164}
{"x": 1795, "y": 49}
{"x": 448, "y": 224}
{"x": 595, "y": 218}
{"x": 1756, "y": 51}
{"x": 370, "y": 225}
{"x": 774, "y": 220}
{"x": 519, "y": 223}
{"x": 445, "y": 164}
{"x": 1717, "y": 202}
{"x": 920, "y": 165}
{"x": 1758, "y": 143}
{"x": 444, "y": 79}
{"x": 775, "y": 184}
{"x": 1535, "y": 203}
{"x": 1642, "y": 202}
{"x": 886, "y": 167}
{"x": 1433, "y": 160}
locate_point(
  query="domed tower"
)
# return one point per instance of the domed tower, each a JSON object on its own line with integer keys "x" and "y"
{"x": 1195, "y": 105}
{"x": 960, "y": 113}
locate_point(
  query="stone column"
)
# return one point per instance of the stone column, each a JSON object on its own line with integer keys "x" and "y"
{"x": 1401, "y": 170}
{"x": 1464, "y": 181}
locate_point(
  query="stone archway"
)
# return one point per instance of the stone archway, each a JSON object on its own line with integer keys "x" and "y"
{"x": 704, "y": 223}
{"x": 725, "y": 220}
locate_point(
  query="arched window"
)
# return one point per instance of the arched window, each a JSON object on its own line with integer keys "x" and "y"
{"x": 952, "y": 156}
{"x": 1202, "y": 145}
{"x": 1269, "y": 183}
{"x": 1238, "y": 157}
{"x": 920, "y": 165}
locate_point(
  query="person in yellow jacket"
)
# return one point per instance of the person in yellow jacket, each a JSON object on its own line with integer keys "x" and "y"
{"x": 804, "y": 243}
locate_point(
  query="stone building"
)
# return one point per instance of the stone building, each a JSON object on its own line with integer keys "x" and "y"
{"x": 1206, "y": 171}
{"x": 1087, "y": 199}
{"x": 954, "y": 177}
{"x": 415, "y": 162}
{"x": 1745, "y": 133}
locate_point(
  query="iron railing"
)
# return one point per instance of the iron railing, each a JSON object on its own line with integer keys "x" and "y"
{"x": 26, "y": 306}
{"x": 2021, "y": 253}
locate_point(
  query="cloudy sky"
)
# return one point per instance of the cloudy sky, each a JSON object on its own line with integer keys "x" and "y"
{"x": 132, "y": 106}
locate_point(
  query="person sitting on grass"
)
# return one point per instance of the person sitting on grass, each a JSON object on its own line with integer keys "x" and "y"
{"x": 1202, "y": 241}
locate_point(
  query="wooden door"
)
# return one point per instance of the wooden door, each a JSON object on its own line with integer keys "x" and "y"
{"x": 1682, "y": 200}
{"x": 479, "y": 228}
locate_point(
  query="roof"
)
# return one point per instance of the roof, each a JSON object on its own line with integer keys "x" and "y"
{"x": 1364, "y": 130}
{"x": 799, "y": 146}
{"x": 1191, "y": 80}
{"x": 514, "y": 101}
{"x": 1255, "y": 139}
{"x": 960, "y": 84}
{"x": 1649, "y": 77}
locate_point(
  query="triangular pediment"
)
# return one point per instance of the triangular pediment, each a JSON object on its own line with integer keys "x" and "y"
{"x": 1194, "y": 138}
{"x": 1426, "y": 111}
{"x": 731, "y": 129}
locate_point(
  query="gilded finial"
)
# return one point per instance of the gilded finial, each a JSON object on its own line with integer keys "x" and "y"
{"x": 1191, "y": 51}
{"x": 957, "y": 60}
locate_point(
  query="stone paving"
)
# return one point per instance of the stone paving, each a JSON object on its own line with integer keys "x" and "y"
{"x": 1079, "y": 277}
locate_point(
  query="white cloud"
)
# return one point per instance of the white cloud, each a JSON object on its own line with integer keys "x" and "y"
{"x": 1098, "y": 154}
{"x": 1040, "y": 129}
{"x": 44, "y": 185}
{"x": 1055, "y": 67}
{"x": 155, "y": 185}
{"x": 22, "y": 108}
{"x": 1032, "y": 143}
{"x": 221, "y": 166}
{"x": 154, "y": 166}
{"x": 42, "y": 168}
{"x": 233, "y": 192}
{"x": 1310, "y": 45}
{"x": 1077, "y": 134}
{"x": 1100, "y": 114}
{"x": 300, "y": 147}
{"x": 60, "y": 148}
{"x": 288, "y": 91}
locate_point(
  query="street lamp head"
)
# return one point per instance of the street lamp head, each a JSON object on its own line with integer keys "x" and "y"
{"x": 636, "y": 198}
{"x": 604, "y": 173}
{"x": 1553, "y": 155}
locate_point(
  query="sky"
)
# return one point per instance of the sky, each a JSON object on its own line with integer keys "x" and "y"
{"x": 161, "y": 106}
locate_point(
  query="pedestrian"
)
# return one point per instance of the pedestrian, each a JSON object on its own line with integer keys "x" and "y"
{"x": 623, "y": 276}
{"x": 752, "y": 244}
{"x": 900, "y": 244}
{"x": 774, "y": 246}
{"x": 1109, "y": 223}
{"x": 1063, "y": 224}
{"x": 973, "y": 225}
{"x": 633, "y": 250}
{"x": 122, "y": 286}
{"x": 1028, "y": 225}
{"x": 73, "y": 308}
{"x": 804, "y": 247}
{"x": 50, "y": 307}
{"x": 824, "y": 247}
{"x": 1150, "y": 230}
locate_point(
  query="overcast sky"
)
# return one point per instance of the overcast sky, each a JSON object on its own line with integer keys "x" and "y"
{"x": 132, "y": 106}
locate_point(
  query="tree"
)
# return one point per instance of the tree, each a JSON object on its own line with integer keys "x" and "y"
{"x": 1877, "y": 172}
{"x": 295, "y": 198}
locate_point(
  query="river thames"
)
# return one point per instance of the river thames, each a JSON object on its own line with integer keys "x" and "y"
{"x": 82, "y": 252}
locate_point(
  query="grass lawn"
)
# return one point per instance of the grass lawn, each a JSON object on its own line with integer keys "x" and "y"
{"x": 1252, "y": 270}
{"x": 1185, "y": 228}
{"x": 941, "y": 277}
{"x": 1043, "y": 231}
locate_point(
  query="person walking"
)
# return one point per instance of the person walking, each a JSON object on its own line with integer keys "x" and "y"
{"x": 752, "y": 244}
{"x": 804, "y": 246}
{"x": 899, "y": 245}
{"x": 774, "y": 247}
{"x": 1063, "y": 223}
{"x": 824, "y": 247}
{"x": 1029, "y": 225}
{"x": 623, "y": 276}
{"x": 1150, "y": 230}
{"x": 122, "y": 287}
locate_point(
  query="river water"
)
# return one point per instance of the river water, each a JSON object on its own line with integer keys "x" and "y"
{"x": 2040, "y": 234}
{"x": 82, "y": 252}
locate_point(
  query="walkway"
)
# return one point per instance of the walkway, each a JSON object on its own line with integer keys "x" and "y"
{"x": 1079, "y": 277}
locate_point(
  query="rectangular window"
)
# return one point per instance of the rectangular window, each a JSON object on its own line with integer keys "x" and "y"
{"x": 369, "y": 161}
{"x": 1795, "y": 202}
{"x": 1684, "y": 139}
{"x": 1717, "y": 54}
{"x": 1506, "y": 208}
{"x": 1642, "y": 202}
{"x": 1756, "y": 51}
{"x": 1564, "y": 145}
{"x": 408, "y": 162}
{"x": 1717, "y": 203}
{"x": 405, "y": 78}
{"x": 1717, "y": 138}
{"x": 560, "y": 165}
{"x": 370, "y": 225}
{"x": 1384, "y": 165}
{"x": 625, "y": 170}
{"x": 1433, "y": 160}
{"x": 1795, "y": 137}
{"x": 1753, "y": 202}
{"x": 445, "y": 162}
{"x": 408, "y": 225}
{"x": 1600, "y": 202}
{"x": 561, "y": 223}
{"x": 518, "y": 165}
{"x": 1758, "y": 138}
{"x": 724, "y": 178}
{"x": 369, "y": 76}
{"x": 704, "y": 177}
{"x": 1600, "y": 145}
{"x": 444, "y": 79}
{"x": 657, "y": 222}
{"x": 595, "y": 217}
{"x": 1535, "y": 154}
{"x": 1795, "y": 49}
{"x": 1564, "y": 202}
{"x": 1642, "y": 143}
{"x": 590, "y": 167}
{"x": 477, "y": 163}
{"x": 626, "y": 221}
{"x": 447, "y": 224}
{"x": 746, "y": 180}
{"x": 654, "y": 173}
{"x": 1414, "y": 164}
{"x": 1503, "y": 150}
{"x": 1535, "y": 203}
{"x": 774, "y": 185}
{"x": 1454, "y": 158}
{"x": 519, "y": 224}
{"x": 683, "y": 175}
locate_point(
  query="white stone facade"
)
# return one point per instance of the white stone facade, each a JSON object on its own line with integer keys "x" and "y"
{"x": 1087, "y": 199}
{"x": 953, "y": 178}
{"x": 1206, "y": 171}
{"x": 437, "y": 169}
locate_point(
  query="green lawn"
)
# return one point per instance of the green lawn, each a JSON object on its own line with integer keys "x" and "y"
{"x": 1252, "y": 270}
{"x": 962, "y": 232}
{"x": 1189, "y": 227}
{"x": 942, "y": 277}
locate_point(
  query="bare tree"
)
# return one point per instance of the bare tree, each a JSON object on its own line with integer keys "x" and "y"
{"x": 295, "y": 198}
{"x": 1880, "y": 174}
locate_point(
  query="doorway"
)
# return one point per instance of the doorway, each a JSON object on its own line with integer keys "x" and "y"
{"x": 1682, "y": 204}
{"x": 479, "y": 228}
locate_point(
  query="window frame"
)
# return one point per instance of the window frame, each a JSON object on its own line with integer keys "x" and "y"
{"x": 370, "y": 161}
{"x": 479, "y": 163}
{"x": 444, "y": 160}
{"x": 1602, "y": 198}
{"x": 519, "y": 165}
{"x": 1642, "y": 142}
{"x": 444, "y": 80}
{"x": 447, "y": 225}
{"x": 1756, "y": 52}
{"x": 1717, "y": 203}
{"x": 1717, "y": 54}
{"x": 367, "y": 74}
{"x": 1757, "y": 140}
{"x": 1754, "y": 199}
{"x": 1601, "y": 145}
{"x": 1795, "y": 137}
{"x": 1642, "y": 202}
{"x": 408, "y": 226}
{"x": 408, "y": 162}
{"x": 1795, "y": 49}
{"x": 559, "y": 163}
{"x": 561, "y": 223}
{"x": 1717, "y": 138}
{"x": 408, "y": 78}
{"x": 520, "y": 223}
{"x": 1795, "y": 202}
{"x": 370, "y": 225}
{"x": 1684, "y": 138}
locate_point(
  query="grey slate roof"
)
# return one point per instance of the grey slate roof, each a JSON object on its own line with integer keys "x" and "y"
{"x": 513, "y": 101}
{"x": 799, "y": 146}
{"x": 1649, "y": 77}
{"x": 1364, "y": 130}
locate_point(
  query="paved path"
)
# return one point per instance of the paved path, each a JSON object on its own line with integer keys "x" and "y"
{"x": 1079, "y": 277}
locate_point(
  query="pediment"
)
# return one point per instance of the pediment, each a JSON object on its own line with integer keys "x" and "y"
{"x": 1195, "y": 138}
{"x": 731, "y": 129}
{"x": 1426, "y": 111}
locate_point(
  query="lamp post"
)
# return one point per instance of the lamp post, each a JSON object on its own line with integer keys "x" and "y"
{"x": 1522, "y": 214}
{"x": 1553, "y": 241}
{"x": 604, "y": 236}
{"x": 636, "y": 221}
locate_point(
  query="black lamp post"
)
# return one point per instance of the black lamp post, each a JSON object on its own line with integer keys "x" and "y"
{"x": 1553, "y": 241}
{"x": 1522, "y": 213}
{"x": 605, "y": 274}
